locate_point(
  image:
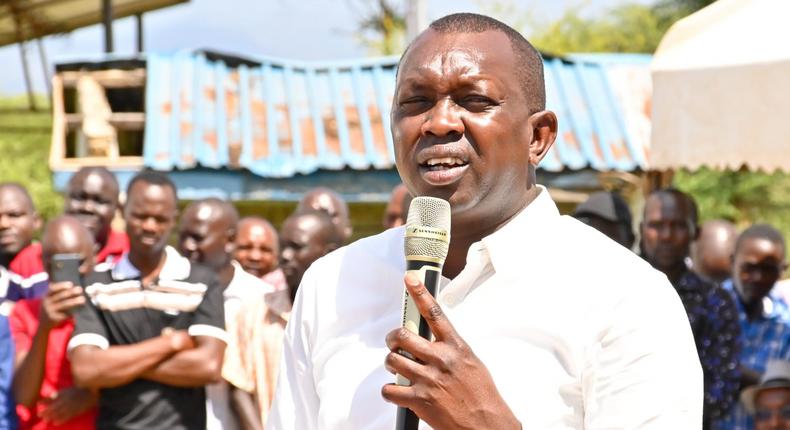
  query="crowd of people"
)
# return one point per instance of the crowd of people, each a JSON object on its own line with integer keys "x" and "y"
{"x": 729, "y": 285}
{"x": 152, "y": 330}
{"x": 541, "y": 321}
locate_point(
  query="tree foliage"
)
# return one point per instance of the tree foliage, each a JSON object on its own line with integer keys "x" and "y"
{"x": 381, "y": 26}
{"x": 627, "y": 28}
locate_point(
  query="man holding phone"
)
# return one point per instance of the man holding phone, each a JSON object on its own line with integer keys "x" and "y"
{"x": 43, "y": 386}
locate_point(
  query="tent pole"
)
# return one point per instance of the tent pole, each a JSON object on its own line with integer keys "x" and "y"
{"x": 139, "y": 22}
{"x": 42, "y": 53}
{"x": 31, "y": 99}
{"x": 106, "y": 12}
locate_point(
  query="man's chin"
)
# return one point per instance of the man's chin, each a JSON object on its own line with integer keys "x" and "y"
{"x": 147, "y": 248}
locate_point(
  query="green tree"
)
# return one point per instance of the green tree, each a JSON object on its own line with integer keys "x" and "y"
{"x": 627, "y": 28}
{"x": 381, "y": 26}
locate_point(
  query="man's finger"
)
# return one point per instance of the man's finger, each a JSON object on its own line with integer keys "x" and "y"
{"x": 401, "y": 396}
{"x": 57, "y": 287}
{"x": 400, "y": 365}
{"x": 66, "y": 293}
{"x": 68, "y": 304}
{"x": 403, "y": 339}
{"x": 429, "y": 308}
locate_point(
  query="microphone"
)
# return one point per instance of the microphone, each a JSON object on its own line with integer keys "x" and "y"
{"x": 426, "y": 245}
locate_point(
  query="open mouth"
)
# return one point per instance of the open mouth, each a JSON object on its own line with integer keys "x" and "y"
{"x": 444, "y": 163}
{"x": 443, "y": 170}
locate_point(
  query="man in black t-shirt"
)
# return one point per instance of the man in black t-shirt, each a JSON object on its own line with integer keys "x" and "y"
{"x": 151, "y": 335}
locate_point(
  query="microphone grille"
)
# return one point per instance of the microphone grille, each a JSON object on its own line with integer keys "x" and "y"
{"x": 428, "y": 229}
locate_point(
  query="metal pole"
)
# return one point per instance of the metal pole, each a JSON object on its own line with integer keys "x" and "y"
{"x": 416, "y": 18}
{"x": 28, "y": 83}
{"x": 106, "y": 11}
{"x": 45, "y": 66}
{"x": 139, "y": 22}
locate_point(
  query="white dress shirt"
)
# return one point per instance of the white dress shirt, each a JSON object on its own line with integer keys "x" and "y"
{"x": 576, "y": 331}
{"x": 243, "y": 287}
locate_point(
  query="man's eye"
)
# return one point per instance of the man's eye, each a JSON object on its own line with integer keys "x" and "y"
{"x": 414, "y": 101}
{"x": 477, "y": 101}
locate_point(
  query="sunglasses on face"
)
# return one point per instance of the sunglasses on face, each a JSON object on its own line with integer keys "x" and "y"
{"x": 766, "y": 414}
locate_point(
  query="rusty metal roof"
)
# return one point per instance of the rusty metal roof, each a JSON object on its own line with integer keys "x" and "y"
{"x": 278, "y": 118}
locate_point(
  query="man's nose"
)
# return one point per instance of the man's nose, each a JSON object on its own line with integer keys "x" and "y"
{"x": 444, "y": 119}
{"x": 5, "y": 222}
{"x": 149, "y": 224}
{"x": 665, "y": 232}
{"x": 88, "y": 206}
{"x": 255, "y": 254}
{"x": 189, "y": 244}
{"x": 287, "y": 254}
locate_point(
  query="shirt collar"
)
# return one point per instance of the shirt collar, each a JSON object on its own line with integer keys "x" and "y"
{"x": 117, "y": 244}
{"x": 528, "y": 226}
{"x": 773, "y": 306}
{"x": 176, "y": 267}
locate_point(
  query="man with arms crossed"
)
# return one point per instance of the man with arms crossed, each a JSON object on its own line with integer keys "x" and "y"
{"x": 541, "y": 321}
{"x": 206, "y": 235}
{"x": 151, "y": 335}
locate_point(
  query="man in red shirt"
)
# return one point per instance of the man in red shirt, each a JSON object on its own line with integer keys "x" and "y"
{"x": 21, "y": 271}
{"x": 41, "y": 327}
{"x": 92, "y": 198}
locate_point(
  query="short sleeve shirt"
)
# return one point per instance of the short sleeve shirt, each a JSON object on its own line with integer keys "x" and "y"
{"x": 24, "y": 278}
{"x": 24, "y": 322}
{"x": 120, "y": 311}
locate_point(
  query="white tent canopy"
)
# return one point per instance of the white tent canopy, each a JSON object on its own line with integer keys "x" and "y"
{"x": 721, "y": 89}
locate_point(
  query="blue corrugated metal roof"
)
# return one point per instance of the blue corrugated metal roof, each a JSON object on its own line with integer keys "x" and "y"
{"x": 283, "y": 118}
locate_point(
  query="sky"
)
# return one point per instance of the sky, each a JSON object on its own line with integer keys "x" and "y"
{"x": 297, "y": 29}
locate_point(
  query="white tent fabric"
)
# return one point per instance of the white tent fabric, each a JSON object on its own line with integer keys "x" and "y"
{"x": 721, "y": 89}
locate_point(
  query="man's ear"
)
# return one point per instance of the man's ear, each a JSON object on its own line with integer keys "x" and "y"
{"x": 544, "y": 133}
{"x": 37, "y": 221}
{"x": 230, "y": 240}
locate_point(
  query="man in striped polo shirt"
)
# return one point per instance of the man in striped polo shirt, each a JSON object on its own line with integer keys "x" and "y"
{"x": 151, "y": 334}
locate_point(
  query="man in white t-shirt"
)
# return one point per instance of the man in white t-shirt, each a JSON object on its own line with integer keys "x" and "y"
{"x": 206, "y": 235}
{"x": 540, "y": 322}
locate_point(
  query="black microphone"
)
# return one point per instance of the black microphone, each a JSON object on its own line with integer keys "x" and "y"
{"x": 426, "y": 245}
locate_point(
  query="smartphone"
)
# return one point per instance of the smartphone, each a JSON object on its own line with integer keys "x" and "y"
{"x": 65, "y": 268}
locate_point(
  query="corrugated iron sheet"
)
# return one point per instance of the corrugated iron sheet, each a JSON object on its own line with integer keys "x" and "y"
{"x": 284, "y": 118}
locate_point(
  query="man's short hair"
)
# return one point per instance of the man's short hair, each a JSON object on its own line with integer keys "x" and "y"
{"x": 680, "y": 196}
{"x": 761, "y": 231}
{"x": 154, "y": 178}
{"x": 529, "y": 62}
{"x": 100, "y": 170}
{"x": 22, "y": 190}
{"x": 333, "y": 235}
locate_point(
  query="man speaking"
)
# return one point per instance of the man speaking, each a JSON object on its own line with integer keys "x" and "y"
{"x": 540, "y": 322}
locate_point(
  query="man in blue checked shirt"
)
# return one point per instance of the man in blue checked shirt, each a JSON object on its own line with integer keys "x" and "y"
{"x": 765, "y": 319}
